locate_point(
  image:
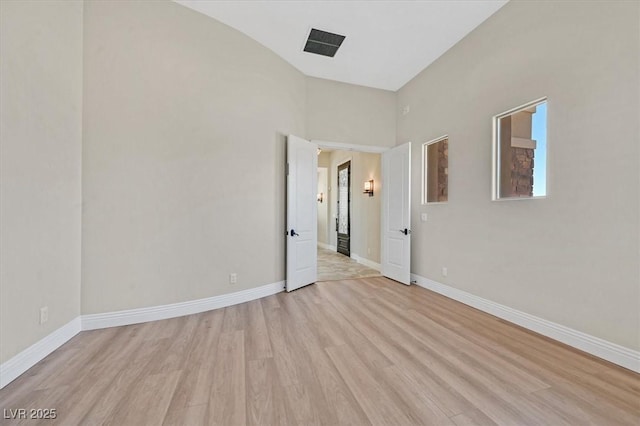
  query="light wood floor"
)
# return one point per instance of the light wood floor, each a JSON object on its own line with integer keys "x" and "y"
{"x": 367, "y": 351}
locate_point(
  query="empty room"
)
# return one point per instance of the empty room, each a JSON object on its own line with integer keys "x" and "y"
{"x": 320, "y": 212}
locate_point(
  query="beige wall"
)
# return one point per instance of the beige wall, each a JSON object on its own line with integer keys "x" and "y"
{"x": 571, "y": 258}
{"x": 183, "y": 156}
{"x": 324, "y": 227}
{"x": 368, "y": 244}
{"x": 40, "y": 169}
{"x": 365, "y": 210}
{"x": 183, "y": 159}
{"x": 323, "y": 207}
{"x": 324, "y": 159}
{"x": 340, "y": 112}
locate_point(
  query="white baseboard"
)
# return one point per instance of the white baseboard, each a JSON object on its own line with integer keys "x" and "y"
{"x": 612, "y": 352}
{"x": 26, "y": 359}
{"x": 327, "y": 246}
{"x": 154, "y": 313}
{"x": 38, "y": 351}
{"x": 366, "y": 262}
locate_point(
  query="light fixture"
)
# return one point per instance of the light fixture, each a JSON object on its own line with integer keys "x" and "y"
{"x": 368, "y": 187}
{"x": 320, "y": 197}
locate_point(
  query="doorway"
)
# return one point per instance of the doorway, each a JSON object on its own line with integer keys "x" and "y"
{"x": 343, "y": 219}
{"x": 392, "y": 229}
{"x": 352, "y": 246}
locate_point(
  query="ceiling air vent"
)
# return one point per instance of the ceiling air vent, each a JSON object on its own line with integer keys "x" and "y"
{"x": 323, "y": 43}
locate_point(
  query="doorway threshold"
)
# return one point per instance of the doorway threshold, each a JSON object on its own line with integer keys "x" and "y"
{"x": 333, "y": 266}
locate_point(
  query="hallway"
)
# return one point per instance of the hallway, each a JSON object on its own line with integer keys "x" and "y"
{"x": 335, "y": 266}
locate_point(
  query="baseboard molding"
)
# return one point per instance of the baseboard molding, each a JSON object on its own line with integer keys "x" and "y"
{"x": 366, "y": 262}
{"x": 327, "y": 246}
{"x": 596, "y": 346}
{"x": 35, "y": 353}
{"x": 26, "y": 359}
{"x": 154, "y": 313}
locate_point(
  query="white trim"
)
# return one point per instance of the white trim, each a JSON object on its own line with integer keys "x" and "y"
{"x": 326, "y": 246}
{"x": 596, "y": 346}
{"x": 35, "y": 353}
{"x": 154, "y": 313}
{"x": 535, "y": 197}
{"x": 495, "y": 151}
{"x": 351, "y": 146}
{"x": 366, "y": 262}
{"x": 29, "y": 357}
{"x": 522, "y": 107}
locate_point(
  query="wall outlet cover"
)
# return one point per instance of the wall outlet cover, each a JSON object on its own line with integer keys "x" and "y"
{"x": 44, "y": 314}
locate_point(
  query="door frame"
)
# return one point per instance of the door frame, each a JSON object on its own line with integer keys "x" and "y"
{"x": 351, "y": 146}
{"x": 374, "y": 149}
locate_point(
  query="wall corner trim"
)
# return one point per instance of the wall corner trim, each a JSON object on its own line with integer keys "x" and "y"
{"x": 26, "y": 359}
{"x": 155, "y": 313}
{"x": 620, "y": 355}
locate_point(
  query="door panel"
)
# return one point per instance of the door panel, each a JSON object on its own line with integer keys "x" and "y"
{"x": 302, "y": 213}
{"x": 396, "y": 213}
{"x": 344, "y": 208}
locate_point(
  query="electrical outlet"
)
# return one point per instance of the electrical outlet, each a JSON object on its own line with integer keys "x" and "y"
{"x": 444, "y": 271}
{"x": 423, "y": 217}
{"x": 233, "y": 278}
{"x": 44, "y": 314}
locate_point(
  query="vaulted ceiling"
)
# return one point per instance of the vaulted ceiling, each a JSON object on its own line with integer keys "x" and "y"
{"x": 387, "y": 42}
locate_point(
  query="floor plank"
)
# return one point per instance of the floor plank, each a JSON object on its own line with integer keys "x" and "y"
{"x": 357, "y": 351}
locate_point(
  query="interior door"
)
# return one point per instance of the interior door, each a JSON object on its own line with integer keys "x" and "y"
{"x": 343, "y": 220}
{"x": 396, "y": 213}
{"x": 302, "y": 213}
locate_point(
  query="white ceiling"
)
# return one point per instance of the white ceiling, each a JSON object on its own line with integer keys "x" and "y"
{"x": 387, "y": 42}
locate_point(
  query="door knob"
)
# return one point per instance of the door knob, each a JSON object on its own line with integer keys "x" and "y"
{"x": 294, "y": 233}
{"x": 405, "y": 231}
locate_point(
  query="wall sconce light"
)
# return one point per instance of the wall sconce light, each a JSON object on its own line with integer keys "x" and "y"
{"x": 320, "y": 197}
{"x": 368, "y": 187}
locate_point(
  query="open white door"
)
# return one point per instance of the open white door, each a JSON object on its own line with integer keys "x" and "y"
{"x": 302, "y": 222}
{"x": 396, "y": 213}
